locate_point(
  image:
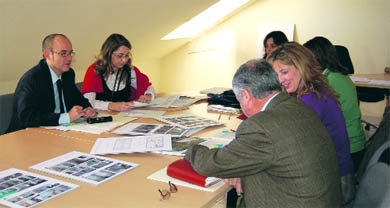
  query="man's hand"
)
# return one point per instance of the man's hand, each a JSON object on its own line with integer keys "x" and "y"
{"x": 236, "y": 183}
{"x": 120, "y": 106}
{"x": 90, "y": 113}
{"x": 75, "y": 113}
{"x": 145, "y": 98}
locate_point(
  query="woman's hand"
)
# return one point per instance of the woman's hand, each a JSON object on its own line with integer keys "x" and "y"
{"x": 120, "y": 106}
{"x": 145, "y": 98}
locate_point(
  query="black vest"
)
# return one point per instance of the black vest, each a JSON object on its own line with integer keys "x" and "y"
{"x": 116, "y": 96}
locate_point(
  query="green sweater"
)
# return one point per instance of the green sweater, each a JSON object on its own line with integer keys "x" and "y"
{"x": 346, "y": 90}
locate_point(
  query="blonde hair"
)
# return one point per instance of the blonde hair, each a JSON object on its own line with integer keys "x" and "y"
{"x": 305, "y": 62}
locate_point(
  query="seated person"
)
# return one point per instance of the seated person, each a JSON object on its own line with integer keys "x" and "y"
{"x": 301, "y": 75}
{"x": 111, "y": 83}
{"x": 270, "y": 42}
{"x": 279, "y": 161}
{"x": 273, "y": 40}
{"x": 46, "y": 95}
{"x": 340, "y": 82}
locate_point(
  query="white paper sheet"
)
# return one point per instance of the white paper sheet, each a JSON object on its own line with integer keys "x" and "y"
{"x": 118, "y": 145}
{"x": 97, "y": 128}
{"x": 25, "y": 189}
{"x": 142, "y": 113}
{"x": 151, "y": 129}
{"x": 84, "y": 167}
{"x": 162, "y": 176}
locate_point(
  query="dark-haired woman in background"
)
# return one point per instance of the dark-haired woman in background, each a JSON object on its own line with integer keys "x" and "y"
{"x": 273, "y": 40}
{"x": 112, "y": 83}
{"x": 337, "y": 77}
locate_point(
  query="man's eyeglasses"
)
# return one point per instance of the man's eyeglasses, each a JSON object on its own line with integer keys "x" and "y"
{"x": 165, "y": 194}
{"x": 64, "y": 53}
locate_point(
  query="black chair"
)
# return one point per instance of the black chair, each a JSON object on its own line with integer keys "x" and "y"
{"x": 365, "y": 94}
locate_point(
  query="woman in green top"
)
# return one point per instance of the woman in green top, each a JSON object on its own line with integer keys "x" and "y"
{"x": 338, "y": 79}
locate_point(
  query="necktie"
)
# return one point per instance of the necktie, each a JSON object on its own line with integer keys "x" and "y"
{"x": 59, "y": 87}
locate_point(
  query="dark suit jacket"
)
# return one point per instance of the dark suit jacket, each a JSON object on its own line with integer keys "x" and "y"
{"x": 283, "y": 155}
{"x": 34, "y": 103}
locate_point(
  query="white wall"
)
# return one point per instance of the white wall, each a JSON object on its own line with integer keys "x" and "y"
{"x": 211, "y": 59}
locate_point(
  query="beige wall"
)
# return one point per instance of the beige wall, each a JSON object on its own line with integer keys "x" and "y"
{"x": 87, "y": 23}
{"x": 211, "y": 59}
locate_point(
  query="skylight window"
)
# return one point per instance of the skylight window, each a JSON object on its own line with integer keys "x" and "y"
{"x": 205, "y": 19}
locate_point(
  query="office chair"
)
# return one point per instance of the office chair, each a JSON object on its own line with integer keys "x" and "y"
{"x": 365, "y": 94}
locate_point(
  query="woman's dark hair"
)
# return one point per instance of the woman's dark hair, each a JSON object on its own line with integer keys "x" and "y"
{"x": 279, "y": 38}
{"x": 113, "y": 42}
{"x": 326, "y": 54}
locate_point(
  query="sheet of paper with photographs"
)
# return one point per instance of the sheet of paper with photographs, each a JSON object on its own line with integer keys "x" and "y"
{"x": 20, "y": 188}
{"x": 149, "y": 129}
{"x": 180, "y": 145}
{"x": 84, "y": 167}
{"x": 189, "y": 121}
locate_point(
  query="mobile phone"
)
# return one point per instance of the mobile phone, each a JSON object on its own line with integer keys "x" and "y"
{"x": 99, "y": 119}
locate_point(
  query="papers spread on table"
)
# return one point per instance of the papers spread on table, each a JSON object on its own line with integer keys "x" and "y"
{"x": 189, "y": 121}
{"x": 175, "y": 101}
{"x": 84, "y": 167}
{"x": 96, "y": 128}
{"x": 215, "y": 90}
{"x": 225, "y": 134}
{"x": 20, "y": 188}
{"x": 162, "y": 176}
{"x": 371, "y": 81}
{"x": 142, "y": 113}
{"x": 223, "y": 109}
{"x": 180, "y": 145}
{"x": 150, "y": 129}
{"x": 118, "y": 145}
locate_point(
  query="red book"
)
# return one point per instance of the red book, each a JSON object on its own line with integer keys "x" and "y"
{"x": 182, "y": 169}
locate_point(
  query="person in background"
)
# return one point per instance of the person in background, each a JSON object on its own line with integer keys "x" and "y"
{"x": 275, "y": 159}
{"x": 270, "y": 42}
{"x": 111, "y": 82}
{"x": 273, "y": 40}
{"x": 339, "y": 80}
{"x": 46, "y": 95}
{"x": 301, "y": 76}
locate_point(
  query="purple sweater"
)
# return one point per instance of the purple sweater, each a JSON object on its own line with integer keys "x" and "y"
{"x": 331, "y": 116}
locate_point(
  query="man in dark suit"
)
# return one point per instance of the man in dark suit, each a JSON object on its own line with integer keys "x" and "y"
{"x": 282, "y": 156}
{"x": 46, "y": 95}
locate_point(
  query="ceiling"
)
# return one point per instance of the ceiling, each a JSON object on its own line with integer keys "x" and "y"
{"x": 150, "y": 20}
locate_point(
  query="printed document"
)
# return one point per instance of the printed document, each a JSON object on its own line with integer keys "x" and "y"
{"x": 118, "y": 145}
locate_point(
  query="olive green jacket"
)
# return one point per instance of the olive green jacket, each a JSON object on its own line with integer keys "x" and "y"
{"x": 283, "y": 155}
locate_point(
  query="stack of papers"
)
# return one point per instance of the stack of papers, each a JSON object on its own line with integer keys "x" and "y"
{"x": 189, "y": 121}
{"x": 175, "y": 101}
{"x": 215, "y": 90}
{"x": 223, "y": 109}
